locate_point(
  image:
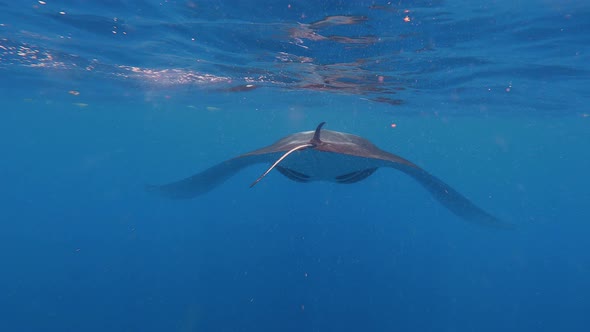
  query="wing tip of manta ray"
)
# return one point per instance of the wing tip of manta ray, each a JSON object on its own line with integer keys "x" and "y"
{"x": 165, "y": 192}
{"x": 492, "y": 222}
{"x": 154, "y": 189}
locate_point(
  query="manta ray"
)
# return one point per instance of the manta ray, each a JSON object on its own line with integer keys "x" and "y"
{"x": 326, "y": 155}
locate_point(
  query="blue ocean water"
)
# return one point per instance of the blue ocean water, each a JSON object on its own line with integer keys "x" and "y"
{"x": 101, "y": 98}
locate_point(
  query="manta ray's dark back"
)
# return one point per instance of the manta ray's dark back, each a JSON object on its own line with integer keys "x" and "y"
{"x": 327, "y": 155}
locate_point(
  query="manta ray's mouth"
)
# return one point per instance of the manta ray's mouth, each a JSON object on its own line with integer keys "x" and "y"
{"x": 293, "y": 175}
{"x": 355, "y": 176}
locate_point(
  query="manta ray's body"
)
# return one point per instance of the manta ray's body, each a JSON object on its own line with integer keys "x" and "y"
{"x": 325, "y": 155}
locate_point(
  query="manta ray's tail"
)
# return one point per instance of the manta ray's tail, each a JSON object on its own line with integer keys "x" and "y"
{"x": 297, "y": 148}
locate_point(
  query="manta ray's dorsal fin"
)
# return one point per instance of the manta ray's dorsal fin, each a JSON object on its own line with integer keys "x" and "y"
{"x": 316, "y": 136}
{"x": 297, "y": 148}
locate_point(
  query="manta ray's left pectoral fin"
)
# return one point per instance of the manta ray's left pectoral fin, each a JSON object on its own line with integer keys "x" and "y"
{"x": 208, "y": 179}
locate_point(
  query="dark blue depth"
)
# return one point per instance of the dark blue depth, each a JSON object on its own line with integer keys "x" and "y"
{"x": 100, "y": 99}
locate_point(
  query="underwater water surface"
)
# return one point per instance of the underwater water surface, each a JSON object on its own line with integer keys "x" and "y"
{"x": 101, "y": 99}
